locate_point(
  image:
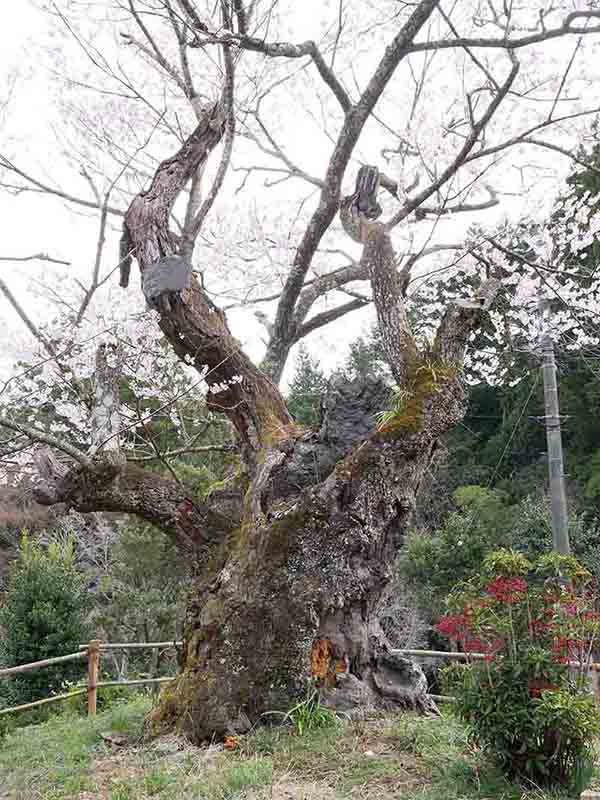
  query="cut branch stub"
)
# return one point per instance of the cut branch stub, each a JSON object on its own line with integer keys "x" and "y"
{"x": 357, "y": 213}
{"x": 105, "y": 414}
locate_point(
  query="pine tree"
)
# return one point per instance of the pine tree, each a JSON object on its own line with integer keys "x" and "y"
{"x": 306, "y": 389}
{"x": 44, "y": 615}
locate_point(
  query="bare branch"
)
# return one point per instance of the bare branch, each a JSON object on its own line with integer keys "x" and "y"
{"x": 97, "y": 262}
{"x": 506, "y": 43}
{"x": 184, "y": 451}
{"x": 563, "y": 151}
{"x": 153, "y": 51}
{"x": 191, "y": 232}
{"x": 526, "y": 135}
{"x": 36, "y": 257}
{"x": 38, "y": 186}
{"x": 463, "y": 153}
{"x": 31, "y": 326}
{"x": 37, "y": 435}
{"x": 285, "y": 50}
{"x": 460, "y": 208}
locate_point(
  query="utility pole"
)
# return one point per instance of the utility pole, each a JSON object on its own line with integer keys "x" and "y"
{"x": 558, "y": 496}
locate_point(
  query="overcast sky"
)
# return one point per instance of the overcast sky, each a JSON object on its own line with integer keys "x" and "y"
{"x": 33, "y": 223}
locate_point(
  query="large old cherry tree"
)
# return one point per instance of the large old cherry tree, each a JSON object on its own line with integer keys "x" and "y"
{"x": 423, "y": 109}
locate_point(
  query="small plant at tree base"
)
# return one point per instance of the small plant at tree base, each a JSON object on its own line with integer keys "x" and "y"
{"x": 309, "y": 714}
{"x": 527, "y": 703}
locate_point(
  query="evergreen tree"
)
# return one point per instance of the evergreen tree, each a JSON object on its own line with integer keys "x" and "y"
{"x": 365, "y": 356}
{"x": 43, "y": 616}
{"x": 306, "y": 389}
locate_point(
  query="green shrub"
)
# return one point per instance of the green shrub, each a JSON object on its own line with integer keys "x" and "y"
{"x": 526, "y": 703}
{"x": 43, "y": 616}
{"x": 483, "y": 521}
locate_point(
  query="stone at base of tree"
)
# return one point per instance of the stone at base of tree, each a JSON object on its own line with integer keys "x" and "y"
{"x": 390, "y": 682}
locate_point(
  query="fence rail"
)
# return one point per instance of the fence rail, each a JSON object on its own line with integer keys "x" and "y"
{"x": 593, "y": 666}
{"x": 92, "y": 651}
{"x": 134, "y": 645}
{"x": 47, "y": 662}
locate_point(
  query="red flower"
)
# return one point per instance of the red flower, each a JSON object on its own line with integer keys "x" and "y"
{"x": 475, "y": 646}
{"x": 571, "y": 609}
{"x": 453, "y": 627}
{"x": 507, "y": 590}
{"x": 539, "y": 627}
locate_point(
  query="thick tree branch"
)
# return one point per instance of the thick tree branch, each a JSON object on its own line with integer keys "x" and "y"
{"x": 37, "y": 435}
{"x": 356, "y": 271}
{"x": 396, "y": 335}
{"x": 195, "y": 327}
{"x": 459, "y": 322}
{"x": 325, "y": 317}
{"x": 102, "y": 485}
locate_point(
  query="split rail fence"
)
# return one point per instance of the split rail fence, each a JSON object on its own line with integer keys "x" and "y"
{"x": 92, "y": 651}
{"x": 593, "y": 668}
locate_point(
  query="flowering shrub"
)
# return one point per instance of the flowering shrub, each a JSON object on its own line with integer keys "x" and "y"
{"x": 527, "y": 701}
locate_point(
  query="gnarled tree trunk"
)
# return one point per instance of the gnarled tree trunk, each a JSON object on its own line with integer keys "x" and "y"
{"x": 294, "y": 595}
{"x": 293, "y": 572}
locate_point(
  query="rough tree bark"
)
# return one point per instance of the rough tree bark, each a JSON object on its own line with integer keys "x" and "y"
{"x": 292, "y": 594}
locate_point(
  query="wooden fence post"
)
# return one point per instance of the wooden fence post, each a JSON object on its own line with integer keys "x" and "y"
{"x": 93, "y": 651}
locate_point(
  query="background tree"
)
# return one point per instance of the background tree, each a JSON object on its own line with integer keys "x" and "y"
{"x": 306, "y": 390}
{"x": 44, "y": 614}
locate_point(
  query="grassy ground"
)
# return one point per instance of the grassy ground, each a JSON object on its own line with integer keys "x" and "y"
{"x": 400, "y": 756}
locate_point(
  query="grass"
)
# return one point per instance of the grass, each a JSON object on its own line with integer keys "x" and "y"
{"x": 58, "y": 754}
{"x": 400, "y": 756}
